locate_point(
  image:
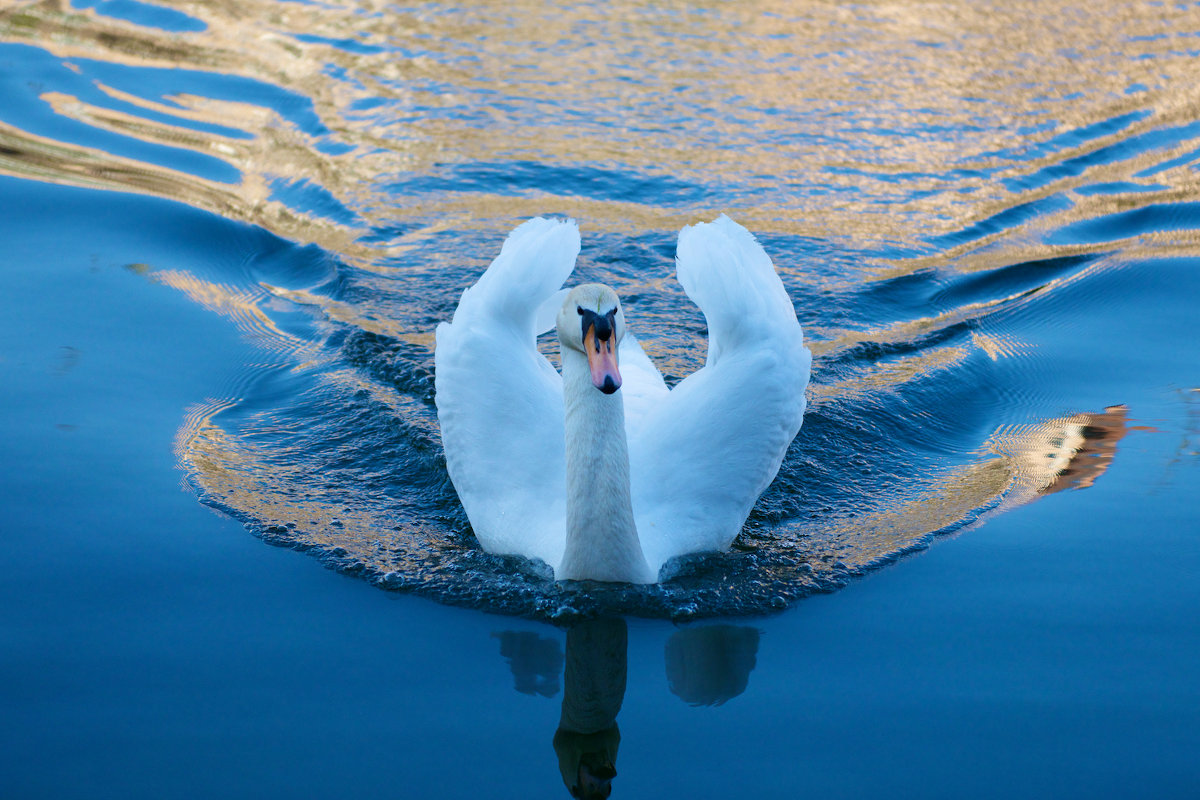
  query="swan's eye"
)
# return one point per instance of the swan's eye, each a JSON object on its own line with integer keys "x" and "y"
{"x": 580, "y": 310}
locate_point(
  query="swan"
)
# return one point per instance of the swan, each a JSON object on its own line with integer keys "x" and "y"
{"x": 602, "y": 472}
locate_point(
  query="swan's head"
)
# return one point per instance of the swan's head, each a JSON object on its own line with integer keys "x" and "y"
{"x": 591, "y": 322}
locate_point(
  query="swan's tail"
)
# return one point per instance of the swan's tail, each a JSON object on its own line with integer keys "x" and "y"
{"x": 726, "y": 272}
{"x": 537, "y": 257}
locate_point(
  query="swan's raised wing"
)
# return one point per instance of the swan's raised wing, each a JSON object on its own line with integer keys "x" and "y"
{"x": 499, "y": 400}
{"x": 715, "y": 442}
{"x": 642, "y": 385}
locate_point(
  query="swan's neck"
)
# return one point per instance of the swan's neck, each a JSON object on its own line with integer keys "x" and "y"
{"x": 602, "y": 540}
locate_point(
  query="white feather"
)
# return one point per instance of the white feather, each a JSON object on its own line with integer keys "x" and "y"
{"x": 699, "y": 454}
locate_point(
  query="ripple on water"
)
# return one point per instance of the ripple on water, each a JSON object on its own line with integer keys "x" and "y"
{"x": 337, "y": 451}
{"x": 938, "y": 214}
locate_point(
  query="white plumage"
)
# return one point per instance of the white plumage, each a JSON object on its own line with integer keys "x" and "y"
{"x": 699, "y": 455}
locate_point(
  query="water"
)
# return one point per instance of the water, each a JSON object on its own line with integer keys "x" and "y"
{"x": 230, "y": 231}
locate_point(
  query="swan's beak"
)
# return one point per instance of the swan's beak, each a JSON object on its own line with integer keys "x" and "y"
{"x": 602, "y": 358}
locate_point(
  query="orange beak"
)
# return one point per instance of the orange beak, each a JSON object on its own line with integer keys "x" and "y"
{"x": 602, "y": 358}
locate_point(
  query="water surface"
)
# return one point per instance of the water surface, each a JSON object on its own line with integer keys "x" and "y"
{"x": 231, "y": 229}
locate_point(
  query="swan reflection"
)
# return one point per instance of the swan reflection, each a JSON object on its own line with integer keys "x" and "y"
{"x": 536, "y": 661}
{"x": 705, "y": 666}
{"x": 710, "y": 664}
{"x": 587, "y": 737}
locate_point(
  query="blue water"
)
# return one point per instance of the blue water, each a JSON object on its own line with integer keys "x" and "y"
{"x": 227, "y": 240}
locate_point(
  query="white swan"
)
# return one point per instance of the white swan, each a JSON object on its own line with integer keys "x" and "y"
{"x": 625, "y": 474}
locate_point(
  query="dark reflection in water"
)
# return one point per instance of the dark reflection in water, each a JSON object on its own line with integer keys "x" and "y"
{"x": 587, "y": 737}
{"x": 536, "y": 661}
{"x": 710, "y": 664}
{"x": 706, "y": 666}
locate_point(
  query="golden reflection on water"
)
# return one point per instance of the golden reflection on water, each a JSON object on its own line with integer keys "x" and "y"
{"x": 877, "y": 123}
{"x": 286, "y": 503}
{"x": 238, "y": 305}
{"x": 1019, "y": 464}
{"x": 1064, "y": 453}
{"x": 889, "y": 374}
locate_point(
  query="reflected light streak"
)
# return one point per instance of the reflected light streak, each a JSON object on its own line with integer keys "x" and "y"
{"x": 828, "y": 123}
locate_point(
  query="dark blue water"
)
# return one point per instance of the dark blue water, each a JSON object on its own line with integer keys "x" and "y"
{"x": 227, "y": 241}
